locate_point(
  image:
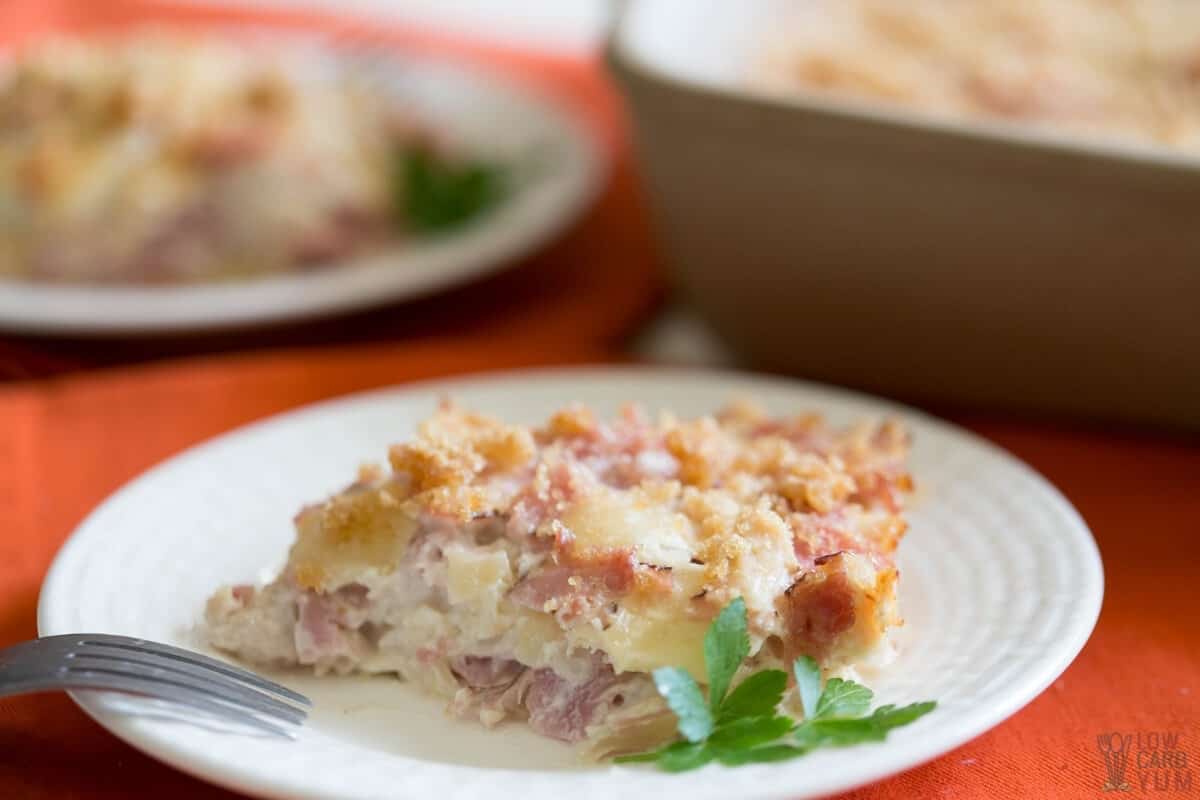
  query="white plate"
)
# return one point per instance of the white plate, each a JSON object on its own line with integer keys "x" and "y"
{"x": 487, "y": 115}
{"x": 1001, "y": 585}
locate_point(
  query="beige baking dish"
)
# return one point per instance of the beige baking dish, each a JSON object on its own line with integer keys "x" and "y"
{"x": 965, "y": 264}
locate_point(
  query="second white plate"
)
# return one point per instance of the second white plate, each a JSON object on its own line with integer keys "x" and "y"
{"x": 1000, "y": 585}
{"x": 495, "y": 118}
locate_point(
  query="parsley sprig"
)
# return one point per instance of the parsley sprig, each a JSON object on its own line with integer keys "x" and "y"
{"x": 436, "y": 193}
{"x": 743, "y": 726}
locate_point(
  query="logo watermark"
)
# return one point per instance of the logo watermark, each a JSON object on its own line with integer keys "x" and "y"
{"x": 1146, "y": 761}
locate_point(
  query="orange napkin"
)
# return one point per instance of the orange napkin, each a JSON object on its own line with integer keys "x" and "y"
{"x": 589, "y": 287}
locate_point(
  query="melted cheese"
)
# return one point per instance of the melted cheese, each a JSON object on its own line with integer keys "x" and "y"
{"x": 538, "y": 639}
{"x": 609, "y": 519}
{"x": 654, "y": 630}
{"x": 643, "y": 643}
{"x": 350, "y": 535}
{"x": 474, "y": 576}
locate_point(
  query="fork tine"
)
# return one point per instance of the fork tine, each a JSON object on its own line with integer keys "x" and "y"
{"x": 190, "y": 698}
{"x": 219, "y": 682}
{"x": 190, "y": 657}
{"x": 175, "y": 674}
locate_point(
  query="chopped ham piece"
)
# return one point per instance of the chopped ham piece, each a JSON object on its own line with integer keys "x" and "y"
{"x": 577, "y": 583}
{"x": 818, "y": 613}
{"x": 562, "y": 710}
{"x": 317, "y": 629}
{"x": 325, "y": 632}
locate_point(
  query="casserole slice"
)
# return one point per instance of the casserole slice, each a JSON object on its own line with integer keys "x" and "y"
{"x": 542, "y": 573}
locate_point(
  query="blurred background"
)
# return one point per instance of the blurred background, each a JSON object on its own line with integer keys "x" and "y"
{"x": 985, "y": 205}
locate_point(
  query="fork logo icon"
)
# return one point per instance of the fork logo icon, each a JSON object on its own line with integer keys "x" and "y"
{"x": 1115, "y": 750}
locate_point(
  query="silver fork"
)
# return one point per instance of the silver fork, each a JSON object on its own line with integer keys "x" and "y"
{"x": 151, "y": 669}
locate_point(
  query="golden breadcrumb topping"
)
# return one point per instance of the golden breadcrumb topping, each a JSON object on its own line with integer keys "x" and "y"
{"x": 1115, "y": 69}
{"x": 571, "y": 421}
{"x": 626, "y": 530}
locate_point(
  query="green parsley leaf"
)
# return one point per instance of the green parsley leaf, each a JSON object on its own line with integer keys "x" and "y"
{"x": 726, "y": 645}
{"x": 760, "y": 755}
{"x": 683, "y": 756}
{"x": 683, "y": 695}
{"x": 759, "y": 694}
{"x": 749, "y": 732}
{"x": 808, "y": 684}
{"x": 843, "y": 731}
{"x": 435, "y": 194}
{"x": 889, "y": 717}
{"x": 842, "y": 698}
{"x": 743, "y": 726}
{"x": 812, "y": 734}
